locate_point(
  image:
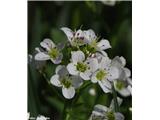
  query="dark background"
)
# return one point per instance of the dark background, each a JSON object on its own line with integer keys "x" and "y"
{"x": 45, "y": 20}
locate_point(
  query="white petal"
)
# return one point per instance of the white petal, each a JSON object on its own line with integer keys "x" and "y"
{"x": 122, "y": 74}
{"x": 58, "y": 59}
{"x": 105, "y": 63}
{"x": 58, "y": 68}
{"x": 104, "y": 53}
{"x": 42, "y": 56}
{"x": 60, "y": 46}
{"x": 61, "y": 70}
{"x": 130, "y": 89}
{"x": 97, "y": 115}
{"x": 127, "y": 72}
{"x": 94, "y": 78}
{"x": 119, "y": 116}
{"x": 41, "y": 117}
{"x": 79, "y": 34}
{"x": 104, "y": 44}
{"x": 104, "y": 87}
{"x": 119, "y": 61}
{"x": 123, "y": 60}
{"x": 37, "y": 49}
{"x": 30, "y": 58}
{"x": 47, "y": 44}
{"x": 109, "y": 2}
{"x": 72, "y": 69}
{"x": 100, "y": 108}
{"x": 125, "y": 92}
{"x": 114, "y": 73}
{"x": 90, "y": 35}
{"x": 68, "y": 32}
{"x": 99, "y": 55}
{"x": 55, "y": 80}
{"x": 68, "y": 92}
{"x": 106, "y": 83}
{"x": 85, "y": 75}
{"x": 77, "y": 56}
{"x": 76, "y": 81}
{"x": 129, "y": 81}
{"x": 93, "y": 64}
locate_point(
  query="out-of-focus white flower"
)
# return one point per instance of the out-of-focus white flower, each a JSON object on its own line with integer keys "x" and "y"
{"x": 123, "y": 84}
{"x": 30, "y": 57}
{"x": 92, "y": 91}
{"x": 81, "y": 67}
{"x": 28, "y": 115}
{"x": 41, "y": 117}
{"x": 75, "y": 38}
{"x": 68, "y": 83}
{"x": 105, "y": 74}
{"x": 35, "y": 63}
{"x": 52, "y": 52}
{"x": 109, "y": 2}
{"x": 102, "y": 112}
{"x": 93, "y": 42}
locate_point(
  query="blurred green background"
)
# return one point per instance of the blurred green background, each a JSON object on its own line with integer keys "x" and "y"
{"x": 45, "y": 20}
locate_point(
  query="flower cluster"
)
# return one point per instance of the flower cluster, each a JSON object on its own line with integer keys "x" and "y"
{"x": 88, "y": 61}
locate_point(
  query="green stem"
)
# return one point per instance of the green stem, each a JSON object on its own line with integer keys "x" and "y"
{"x": 64, "y": 110}
{"x": 45, "y": 76}
{"x": 116, "y": 106}
{"x": 80, "y": 91}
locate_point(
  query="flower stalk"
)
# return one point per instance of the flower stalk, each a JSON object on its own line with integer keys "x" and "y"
{"x": 116, "y": 106}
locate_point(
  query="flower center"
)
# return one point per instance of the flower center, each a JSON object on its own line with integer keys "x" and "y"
{"x": 93, "y": 43}
{"x": 53, "y": 53}
{"x": 92, "y": 47}
{"x": 101, "y": 74}
{"x": 82, "y": 67}
{"x": 110, "y": 115}
{"x": 66, "y": 82}
{"x": 120, "y": 85}
{"x": 78, "y": 41}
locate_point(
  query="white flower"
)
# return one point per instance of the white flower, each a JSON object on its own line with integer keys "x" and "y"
{"x": 68, "y": 83}
{"x": 109, "y": 2}
{"x": 105, "y": 74}
{"x": 81, "y": 67}
{"x": 52, "y": 52}
{"x": 41, "y": 117}
{"x": 92, "y": 91}
{"x": 30, "y": 58}
{"x": 93, "y": 42}
{"x": 123, "y": 85}
{"x": 75, "y": 38}
{"x": 130, "y": 109}
{"x": 102, "y": 112}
